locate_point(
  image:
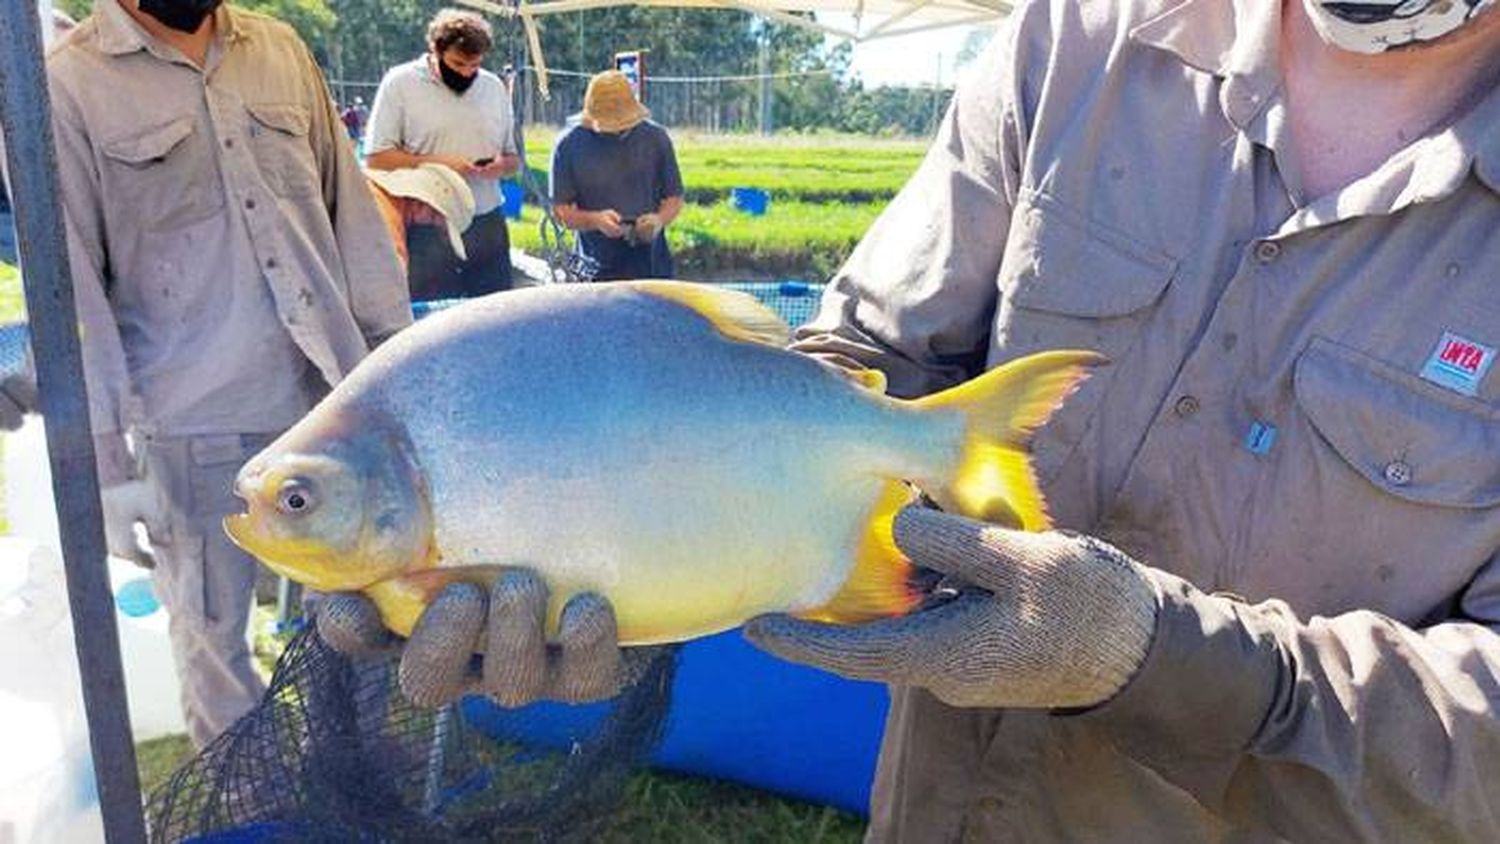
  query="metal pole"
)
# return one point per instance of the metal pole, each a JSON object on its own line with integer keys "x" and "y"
{"x": 26, "y": 115}
{"x": 766, "y": 125}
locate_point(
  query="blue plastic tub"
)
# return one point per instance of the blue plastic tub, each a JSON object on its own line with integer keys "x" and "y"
{"x": 511, "y": 195}
{"x": 741, "y": 715}
{"x": 752, "y": 201}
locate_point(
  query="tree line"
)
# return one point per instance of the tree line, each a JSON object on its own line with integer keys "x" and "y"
{"x": 356, "y": 41}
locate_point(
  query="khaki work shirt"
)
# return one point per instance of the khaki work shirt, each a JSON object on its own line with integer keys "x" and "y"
{"x": 1301, "y": 410}
{"x": 228, "y": 260}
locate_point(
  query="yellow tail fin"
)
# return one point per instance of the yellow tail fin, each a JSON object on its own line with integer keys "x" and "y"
{"x": 994, "y": 481}
{"x": 880, "y": 583}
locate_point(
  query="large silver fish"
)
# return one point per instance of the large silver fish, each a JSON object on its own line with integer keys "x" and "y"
{"x": 652, "y": 442}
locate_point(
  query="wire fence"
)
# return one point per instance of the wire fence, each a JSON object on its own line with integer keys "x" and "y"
{"x": 716, "y": 104}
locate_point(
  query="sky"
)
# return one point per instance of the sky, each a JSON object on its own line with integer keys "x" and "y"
{"x": 906, "y": 59}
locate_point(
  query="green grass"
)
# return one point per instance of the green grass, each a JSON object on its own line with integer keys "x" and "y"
{"x": 800, "y": 239}
{"x": 832, "y": 168}
{"x": 156, "y": 759}
{"x": 12, "y": 302}
{"x": 826, "y": 191}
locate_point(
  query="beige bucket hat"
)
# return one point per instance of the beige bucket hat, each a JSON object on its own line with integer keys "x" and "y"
{"x": 439, "y": 187}
{"x": 609, "y": 105}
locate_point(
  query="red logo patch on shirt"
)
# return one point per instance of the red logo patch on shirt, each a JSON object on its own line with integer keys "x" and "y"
{"x": 1459, "y": 364}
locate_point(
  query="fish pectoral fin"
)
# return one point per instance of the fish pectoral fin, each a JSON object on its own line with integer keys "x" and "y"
{"x": 881, "y": 583}
{"x": 402, "y": 599}
{"x": 736, "y": 315}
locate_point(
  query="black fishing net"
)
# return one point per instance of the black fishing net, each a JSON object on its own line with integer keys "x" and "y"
{"x": 334, "y": 753}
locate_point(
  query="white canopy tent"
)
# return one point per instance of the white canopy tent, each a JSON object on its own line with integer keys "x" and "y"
{"x": 872, "y": 18}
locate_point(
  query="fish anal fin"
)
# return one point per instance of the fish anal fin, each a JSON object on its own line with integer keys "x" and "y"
{"x": 880, "y": 584}
{"x": 736, "y": 315}
{"x": 996, "y": 484}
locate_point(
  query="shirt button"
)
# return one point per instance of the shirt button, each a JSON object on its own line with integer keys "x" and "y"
{"x": 1185, "y": 406}
{"x": 270, "y": 263}
{"x": 1267, "y": 251}
{"x": 229, "y": 143}
{"x": 1398, "y": 473}
{"x": 250, "y": 204}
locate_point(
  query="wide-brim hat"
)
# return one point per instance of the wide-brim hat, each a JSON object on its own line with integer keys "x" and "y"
{"x": 609, "y": 105}
{"x": 439, "y": 187}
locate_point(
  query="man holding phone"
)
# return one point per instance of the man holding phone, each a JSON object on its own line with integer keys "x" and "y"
{"x": 443, "y": 108}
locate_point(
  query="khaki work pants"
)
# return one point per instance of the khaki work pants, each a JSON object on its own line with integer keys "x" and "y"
{"x": 205, "y": 581}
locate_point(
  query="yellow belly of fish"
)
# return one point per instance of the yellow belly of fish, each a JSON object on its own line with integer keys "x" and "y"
{"x": 670, "y": 582}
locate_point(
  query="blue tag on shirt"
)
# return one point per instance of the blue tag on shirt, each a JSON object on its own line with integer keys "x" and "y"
{"x": 1261, "y": 437}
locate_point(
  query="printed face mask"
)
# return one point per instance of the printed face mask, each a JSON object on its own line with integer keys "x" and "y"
{"x": 181, "y": 15}
{"x": 453, "y": 79}
{"x": 1375, "y": 26}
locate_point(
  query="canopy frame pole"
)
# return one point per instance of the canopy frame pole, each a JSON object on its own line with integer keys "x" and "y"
{"x": 25, "y": 112}
{"x": 911, "y": 9}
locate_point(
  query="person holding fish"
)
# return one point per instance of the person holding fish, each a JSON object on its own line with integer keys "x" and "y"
{"x": 1270, "y": 606}
{"x": 229, "y": 266}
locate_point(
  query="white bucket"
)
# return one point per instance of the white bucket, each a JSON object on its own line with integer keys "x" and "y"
{"x": 151, "y": 685}
{"x": 47, "y": 791}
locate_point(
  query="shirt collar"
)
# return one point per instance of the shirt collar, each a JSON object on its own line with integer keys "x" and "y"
{"x": 1237, "y": 40}
{"x": 1481, "y": 127}
{"x": 1240, "y": 41}
{"x": 120, "y": 34}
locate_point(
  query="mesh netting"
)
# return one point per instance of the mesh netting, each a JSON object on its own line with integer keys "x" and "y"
{"x": 334, "y": 753}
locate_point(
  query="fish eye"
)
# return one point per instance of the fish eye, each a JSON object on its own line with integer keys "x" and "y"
{"x": 295, "y": 497}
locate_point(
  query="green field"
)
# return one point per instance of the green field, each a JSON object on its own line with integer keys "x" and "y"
{"x": 825, "y": 193}
{"x": 12, "y": 302}
{"x": 835, "y": 168}
{"x": 793, "y": 239}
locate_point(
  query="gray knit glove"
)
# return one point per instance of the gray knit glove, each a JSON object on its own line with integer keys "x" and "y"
{"x": 1057, "y": 620}
{"x": 519, "y": 666}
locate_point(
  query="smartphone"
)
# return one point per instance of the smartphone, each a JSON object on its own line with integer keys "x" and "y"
{"x": 483, "y": 162}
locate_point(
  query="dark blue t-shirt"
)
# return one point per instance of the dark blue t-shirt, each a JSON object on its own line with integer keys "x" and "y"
{"x": 631, "y": 173}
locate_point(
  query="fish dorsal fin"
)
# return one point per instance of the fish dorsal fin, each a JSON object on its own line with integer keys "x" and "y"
{"x": 880, "y": 584}
{"x": 737, "y": 315}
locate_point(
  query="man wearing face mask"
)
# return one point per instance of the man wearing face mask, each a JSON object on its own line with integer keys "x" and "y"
{"x": 443, "y": 108}
{"x": 1275, "y": 612}
{"x": 230, "y": 266}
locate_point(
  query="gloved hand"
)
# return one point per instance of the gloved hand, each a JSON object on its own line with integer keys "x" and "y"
{"x": 518, "y": 667}
{"x": 1062, "y": 621}
{"x": 647, "y": 227}
{"x": 125, "y": 505}
{"x": 17, "y": 398}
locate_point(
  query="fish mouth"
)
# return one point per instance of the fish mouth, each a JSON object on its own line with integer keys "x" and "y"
{"x": 240, "y": 527}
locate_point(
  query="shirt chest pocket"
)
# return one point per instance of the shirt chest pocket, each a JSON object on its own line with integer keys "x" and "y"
{"x": 166, "y": 174}
{"x": 1391, "y": 489}
{"x": 1070, "y": 283}
{"x": 283, "y": 153}
{"x": 1415, "y": 441}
